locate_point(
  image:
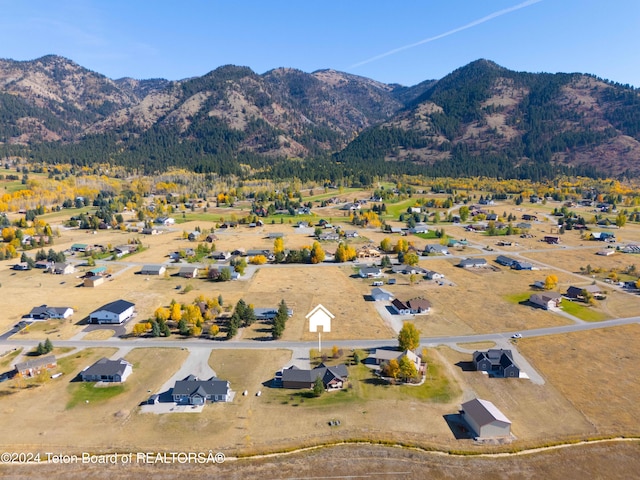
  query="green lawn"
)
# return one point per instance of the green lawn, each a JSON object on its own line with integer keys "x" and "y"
{"x": 87, "y": 392}
{"x": 583, "y": 312}
{"x": 7, "y": 359}
{"x": 517, "y": 297}
{"x": 364, "y": 387}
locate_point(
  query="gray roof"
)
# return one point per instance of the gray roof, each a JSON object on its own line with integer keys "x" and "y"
{"x": 504, "y": 260}
{"x": 117, "y": 307}
{"x": 294, "y": 374}
{"x": 35, "y": 363}
{"x": 484, "y": 412}
{"x": 152, "y": 268}
{"x": 107, "y": 368}
{"x": 191, "y": 385}
{"x": 49, "y": 311}
{"x": 380, "y": 291}
{"x": 470, "y": 262}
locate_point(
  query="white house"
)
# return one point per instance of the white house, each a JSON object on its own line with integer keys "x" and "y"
{"x": 485, "y": 419}
{"x": 115, "y": 312}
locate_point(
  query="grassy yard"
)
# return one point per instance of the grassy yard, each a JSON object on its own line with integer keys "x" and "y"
{"x": 583, "y": 312}
{"x": 7, "y": 359}
{"x": 87, "y": 392}
{"x": 517, "y": 298}
{"x": 365, "y": 387}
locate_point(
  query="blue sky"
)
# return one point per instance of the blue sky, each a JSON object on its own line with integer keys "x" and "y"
{"x": 402, "y": 42}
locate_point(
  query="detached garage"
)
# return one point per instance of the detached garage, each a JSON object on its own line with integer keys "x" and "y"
{"x": 115, "y": 312}
{"x": 485, "y": 419}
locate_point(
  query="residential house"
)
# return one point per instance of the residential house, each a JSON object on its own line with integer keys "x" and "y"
{"x": 485, "y": 419}
{"x": 193, "y": 391}
{"x": 21, "y": 266}
{"x": 472, "y": 263}
{"x": 63, "y": 268}
{"x": 419, "y": 228}
{"x": 432, "y": 275}
{"x": 408, "y": 269}
{"x": 153, "y": 270}
{"x": 351, "y": 233}
{"x": 215, "y": 270}
{"x": 220, "y": 255}
{"x": 274, "y": 235}
{"x": 329, "y": 237}
{"x": 551, "y": 240}
{"x": 497, "y": 362}
{"x": 546, "y": 300}
{"x": 166, "y": 221}
{"x": 381, "y": 295}
{"x": 576, "y": 292}
{"x": 529, "y": 218}
{"x": 383, "y": 355}
{"x": 150, "y": 231}
{"x": 212, "y": 238}
{"x": 436, "y": 249}
{"x": 34, "y": 367}
{"x": 520, "y": 265}
{"x": 105, "y": 370}
{"x": 96, "y": 271}
{"x": 113, "y": 313}
{"x": 523, "y": 226}
{"x": 44, "y": 312}
{"x": 505, "y": 261}
{"x": 269, "y": 313}
{"x": 631, "y": 248}
{"x": 44, "y": 264}
{"x": 194, "y": 236}
{"x": 333, "y": 378}
{"x": 79, "y": 247}
{"x": 603, "y": 236}
{"x": 188, "y": 271}
{"x": 491, "y": 217}
{"x": 415, "y": 306}
{"x": 370, "y": 272}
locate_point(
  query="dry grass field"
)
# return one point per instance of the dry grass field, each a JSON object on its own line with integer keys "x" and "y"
{"x": 476, "y": 303}
{"x": 47, "y": 420}
{"x": 614, "y": 461}
{"x": 538, "y": 412}
{"x": 595, "y": 371}
{"x": 303, "y": 288}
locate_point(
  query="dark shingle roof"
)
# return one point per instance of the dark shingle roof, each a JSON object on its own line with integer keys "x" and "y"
{"x": 191, "y": 385}
{"x": 105, "y": 367}
{"x": 117, "y": 307}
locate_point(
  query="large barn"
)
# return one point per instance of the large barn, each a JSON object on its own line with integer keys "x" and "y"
{"x": 485, "y": 419}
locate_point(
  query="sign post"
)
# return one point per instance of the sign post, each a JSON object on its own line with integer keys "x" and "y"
{"x": 320, "y": 317}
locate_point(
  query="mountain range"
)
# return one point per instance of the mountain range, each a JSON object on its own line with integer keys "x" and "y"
{"x": 482, "y": 119}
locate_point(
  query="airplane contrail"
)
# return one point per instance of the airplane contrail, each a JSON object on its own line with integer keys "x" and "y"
{"x": 491, "y": 16}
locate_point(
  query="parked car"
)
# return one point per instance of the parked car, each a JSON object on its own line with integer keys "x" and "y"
{"x": 516, "y": 335}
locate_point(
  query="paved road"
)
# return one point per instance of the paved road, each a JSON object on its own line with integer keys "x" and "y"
{"x": 364, "y": 343}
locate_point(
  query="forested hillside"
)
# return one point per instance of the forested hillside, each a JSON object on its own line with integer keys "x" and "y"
{"x": 481, "y": 120}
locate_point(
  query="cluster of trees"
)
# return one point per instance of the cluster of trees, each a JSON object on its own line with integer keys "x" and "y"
{"x": 243, "y": 316}
{"x": 280, "y": 321}
{"x": 44, "y": 348}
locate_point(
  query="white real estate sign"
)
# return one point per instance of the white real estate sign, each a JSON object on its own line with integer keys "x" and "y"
{"x": 319, "y": 317}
